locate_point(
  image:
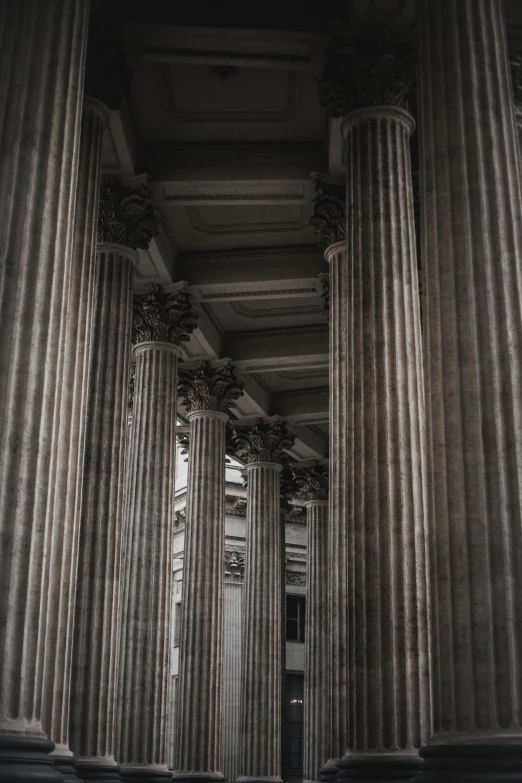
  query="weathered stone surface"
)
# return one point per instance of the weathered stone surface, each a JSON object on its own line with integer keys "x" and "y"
{"x": 64, "y": 498}
{"x": 385, "y": 492}
{"x": 162, "y": 317}
{"x": 472, "y": 256}
{"x": 263, "y": 441}
{"x": 144, "y": 660}
{"x": 210, "y": 386}
{"x": 337, "y": 716}
{"x": 98, "y": 597}
{"x": 208, "y": 391}
{"x": 262, "y": 447}
{"x": 126, "y": 213}
{"x": 41, "y": 76}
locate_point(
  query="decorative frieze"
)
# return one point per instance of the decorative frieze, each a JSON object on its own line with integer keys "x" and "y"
{"x": 296, "y": 578}
{"x": 312, "y": 481}
{"x": 372, "y": 71}
{"x": 126, "y": 213}
{"x": 263, "y": 441}
{"x": 211, "y": 386}
{"x": 162, "y": 317}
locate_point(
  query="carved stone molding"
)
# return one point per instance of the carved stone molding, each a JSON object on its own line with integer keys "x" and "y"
{"x": 263, "y": 441}
{"x": 312, "y": 481}
{"x": 371, "y": 72}
{"x": 234, "y": 566}
{"x": 329, "y": 218}
{"x": 212, "y": 386}
{"x": 162, "y": 317}
{"x": 297, "y": 578}
{"x": 325, "y": 282}
{"x": 126, "y": 213}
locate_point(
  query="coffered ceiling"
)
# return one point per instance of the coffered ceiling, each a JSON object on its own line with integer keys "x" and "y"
{"x": 226, "y": 121}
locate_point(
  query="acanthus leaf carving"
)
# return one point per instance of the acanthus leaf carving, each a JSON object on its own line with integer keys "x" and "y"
{"x": 126, "y": 213}
{"x": 311, "y": 481}
{"x": 211, "y": 386}
{"x": 234, "y": 566}
{"x": 374, "y": 71}
{"x": 263, "y": 441}
{"x": 162, "y": 317}
{"x": 329, "y": 218}
{"x": 325, "y": 282}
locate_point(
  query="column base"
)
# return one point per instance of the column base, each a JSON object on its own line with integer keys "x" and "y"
{"x": 144, "y": 775}
{"x": 67, "y": 766}
{"x": 100, "y": 773}
{"x": 381, "y": 769}
{"x": 27, "y": 760}
{"x": 328, "y": 774}
{"x": 485, "y": 763}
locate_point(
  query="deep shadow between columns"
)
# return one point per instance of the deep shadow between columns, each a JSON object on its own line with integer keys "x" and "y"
{"x": 66, "y": 765}
{"x": 99, "y": 773}
{"x": 379, "y": 769}
{"x": 485, "y": 763}
{"x": 27, "y": 760}
{"x": 145, "y": 776}
{"x": 198, "y": 777}
{"x": 328, "y": 773}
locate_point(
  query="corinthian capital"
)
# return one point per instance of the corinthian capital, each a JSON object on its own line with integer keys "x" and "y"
{"x": 312, "y": 481}
{"x": 162, "y": 317}
{"x": 263, "y": 441}
{"x": 329, "y": 218}
{"x": 212, "y": 386}
{"x": 126, "y": 214}
{"x": 371, "y": 72}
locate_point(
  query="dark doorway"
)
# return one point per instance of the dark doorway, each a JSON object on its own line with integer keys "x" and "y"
{"x": 293, "y": 728}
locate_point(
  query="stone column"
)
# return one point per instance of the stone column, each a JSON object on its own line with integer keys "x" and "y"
{"x": 161, "y": 321}
{"x": 312, "y": 482}
{"x": 329, "y": 220}
{"x": 41, "y": 77}
{"x": 207, "y": 392}
{"x": 261, "y": 447}
{"x": 472, "y": 256}
{"x": 68, "y": 448}
{"x": 385, "y": 493}
{"x": 125, "y": 222}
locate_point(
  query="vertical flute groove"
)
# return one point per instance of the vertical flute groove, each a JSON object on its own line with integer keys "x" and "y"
{"x": 63, "y": 511}
{"x": 94, "y": 671}
{"x": 200, "y": 684}
{"x": 316, "y": 728}
{"x": 261, "y": 682}
{"x": 472, "y": 255}
{"x": 41, "y": 73}
{"x": 145, "y": 643}
{"x": 385, "y": 493}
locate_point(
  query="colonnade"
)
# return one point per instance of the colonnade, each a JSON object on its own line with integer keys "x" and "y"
{"x": 414, "y": 565}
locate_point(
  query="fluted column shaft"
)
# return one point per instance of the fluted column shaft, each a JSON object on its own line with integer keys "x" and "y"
{"x": 316, "y": 701}
{"x": 96, "y": 634}
{"x": 337, "y": 690}
{"x": 262, "y": 638}
{"x": 64, "y": 497}
{"x": 472, "y": 255}
{"x": 42, "y": 53}
{"x": 387, "y": 591}
{"x": 199, "y": 716}
{"x": 145, "y": 649}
